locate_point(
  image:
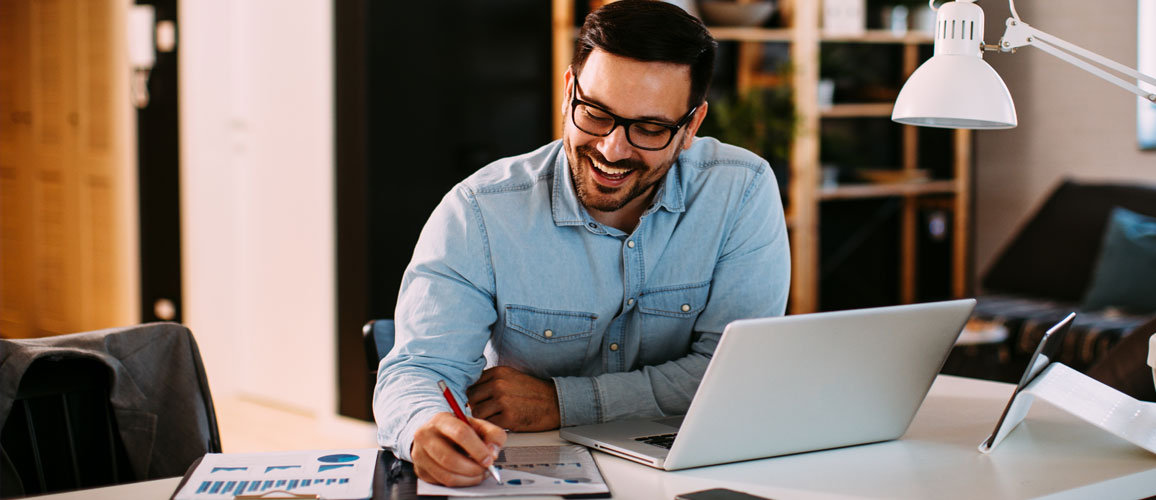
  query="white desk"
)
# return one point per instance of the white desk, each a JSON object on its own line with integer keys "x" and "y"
{"x": 1051, "y": 454}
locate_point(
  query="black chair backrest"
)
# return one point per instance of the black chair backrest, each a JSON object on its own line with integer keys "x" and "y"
{"x": 377, "y": 336}
{"x": 61, "y": 433}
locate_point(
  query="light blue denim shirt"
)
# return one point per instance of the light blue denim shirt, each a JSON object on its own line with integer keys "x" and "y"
{"x": 511, "y": 270}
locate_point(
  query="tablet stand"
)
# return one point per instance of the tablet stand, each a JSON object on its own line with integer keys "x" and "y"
{"x": 1086, "y": 398}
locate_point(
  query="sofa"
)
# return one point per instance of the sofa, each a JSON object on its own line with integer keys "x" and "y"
{"x": 1055, "y": 266}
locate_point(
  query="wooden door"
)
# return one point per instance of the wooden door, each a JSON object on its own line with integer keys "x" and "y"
{"x": 67, "y": 183}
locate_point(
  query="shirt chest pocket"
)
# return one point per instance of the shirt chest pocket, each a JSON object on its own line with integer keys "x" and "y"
{"x": 667, "y": 315}
{"x": 546, "y": 342}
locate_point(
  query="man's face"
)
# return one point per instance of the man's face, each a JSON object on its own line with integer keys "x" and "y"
{"x": 609, "y": 172}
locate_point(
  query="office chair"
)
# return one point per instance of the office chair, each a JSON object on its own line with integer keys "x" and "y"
{"x": 378, "y": 336}
{"x": 61, "y": 432}
{"x": 100, "y": 408}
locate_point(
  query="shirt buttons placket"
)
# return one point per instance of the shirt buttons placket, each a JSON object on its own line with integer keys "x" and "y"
{"x": 614, "y": 346}
{"x": 630, "y": 243}
{"x": 629, "y": 302}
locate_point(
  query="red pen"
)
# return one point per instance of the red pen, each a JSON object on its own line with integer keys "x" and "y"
{"x": 462, "y": 416}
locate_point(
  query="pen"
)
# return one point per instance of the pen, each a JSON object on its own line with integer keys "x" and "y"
{"x": 462, "y": 416}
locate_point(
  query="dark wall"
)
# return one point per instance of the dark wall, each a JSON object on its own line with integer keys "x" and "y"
{"x": 427, "y": 93}
{"x": 158, "y": 151}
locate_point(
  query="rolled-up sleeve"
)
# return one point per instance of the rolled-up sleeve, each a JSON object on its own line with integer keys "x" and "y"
{"x": 445, "y": 312}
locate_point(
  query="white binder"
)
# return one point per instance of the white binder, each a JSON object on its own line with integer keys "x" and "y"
{"x": 1077, "y": 394}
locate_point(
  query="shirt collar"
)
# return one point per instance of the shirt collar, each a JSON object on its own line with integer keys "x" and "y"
{"x": 568, "y": 211}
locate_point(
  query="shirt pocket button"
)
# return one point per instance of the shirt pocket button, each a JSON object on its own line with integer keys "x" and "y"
{"x": 548, "y": 333}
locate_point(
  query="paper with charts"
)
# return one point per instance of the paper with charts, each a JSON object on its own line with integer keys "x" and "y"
{"x": 331, "y": 474}
{"x": 534, "y": 470}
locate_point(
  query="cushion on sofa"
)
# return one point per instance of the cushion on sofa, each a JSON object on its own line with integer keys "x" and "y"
{"x": 1090, "y": 337}
{"x": 1053, "y": 256}
{"x": 1125, "y": 366}
{"x": 1125, "y": 275}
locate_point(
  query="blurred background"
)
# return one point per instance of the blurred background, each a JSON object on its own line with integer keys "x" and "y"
{"x": 268, "y": 189}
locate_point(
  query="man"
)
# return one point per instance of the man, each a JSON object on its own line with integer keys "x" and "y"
{"x": 589, "y": 280}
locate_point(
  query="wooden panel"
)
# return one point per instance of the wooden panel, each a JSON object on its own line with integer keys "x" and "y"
{"x": 751, "y": 34}
{"x": 66, "y": 191}
{"x": 882, "y": 36}
{"x": 881, "y": 190}
{"x": 859, "y": 110}
{"x": 908, "y": 247}
{"x": 744, "y": 34}
{"x": 102, "y": 278}
{"x": 805, "y": 160}
{"x": 15, "y": 167}
{"x": 54, "y": 209}
{"x": 961, "y": 251}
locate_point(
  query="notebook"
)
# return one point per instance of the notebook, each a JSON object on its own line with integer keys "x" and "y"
{"x": 792, "y": 384}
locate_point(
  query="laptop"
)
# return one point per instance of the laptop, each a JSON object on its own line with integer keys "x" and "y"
{"x": 792, "y": 384}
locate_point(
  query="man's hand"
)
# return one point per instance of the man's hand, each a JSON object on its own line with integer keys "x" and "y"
{"x": 514, "y": 400}
{"x": 446, "y": 451}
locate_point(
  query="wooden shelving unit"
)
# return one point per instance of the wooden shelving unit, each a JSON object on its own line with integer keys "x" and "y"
{"x": 804, "y": 38}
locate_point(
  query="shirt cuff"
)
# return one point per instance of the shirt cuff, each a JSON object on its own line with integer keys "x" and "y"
{"x": 578, "y": 402}
{"x": 405, "y": 439}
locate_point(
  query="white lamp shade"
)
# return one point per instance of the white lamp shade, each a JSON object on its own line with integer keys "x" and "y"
{"x": 955, "y": 91}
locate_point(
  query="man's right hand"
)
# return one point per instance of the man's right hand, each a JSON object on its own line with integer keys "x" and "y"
{"x": 449, "y": 452}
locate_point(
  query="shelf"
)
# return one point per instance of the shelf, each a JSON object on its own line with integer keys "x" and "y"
{"x": 858, "y": 110}
{"x": 881, "y": 36}
{"x": 733, "y": 34}
{"x": 806, "y": 42}
{"x": 860, "y": 191}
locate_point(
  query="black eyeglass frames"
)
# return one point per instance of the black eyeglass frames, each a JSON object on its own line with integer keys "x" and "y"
{"x": 642, "y": 134}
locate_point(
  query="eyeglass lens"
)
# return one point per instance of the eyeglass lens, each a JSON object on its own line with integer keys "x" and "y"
{"x": 640, "y": 134}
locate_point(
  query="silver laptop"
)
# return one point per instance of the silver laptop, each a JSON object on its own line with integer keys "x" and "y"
{"x": 792, "y": 384}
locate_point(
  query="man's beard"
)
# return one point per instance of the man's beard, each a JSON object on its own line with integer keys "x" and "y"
{"x": 580, "y": 175}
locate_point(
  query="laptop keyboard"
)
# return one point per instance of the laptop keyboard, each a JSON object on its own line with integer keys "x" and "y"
{"x": 659, "y": 440}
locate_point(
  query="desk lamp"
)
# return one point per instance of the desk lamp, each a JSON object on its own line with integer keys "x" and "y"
{"x": 957, "y": 89}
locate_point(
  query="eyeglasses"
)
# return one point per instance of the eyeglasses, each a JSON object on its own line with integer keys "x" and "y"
{"x": 643, "y": 134}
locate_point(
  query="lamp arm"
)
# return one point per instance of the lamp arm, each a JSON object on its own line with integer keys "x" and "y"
{"x": 1020, "y": 34}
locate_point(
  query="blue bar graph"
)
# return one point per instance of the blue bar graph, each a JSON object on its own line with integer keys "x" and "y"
{"x": 227, "y": 489}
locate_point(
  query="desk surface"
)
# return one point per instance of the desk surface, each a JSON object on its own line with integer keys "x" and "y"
{"x": 1051, "y": 454}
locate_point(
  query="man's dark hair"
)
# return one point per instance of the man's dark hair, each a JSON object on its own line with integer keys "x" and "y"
{"x": 652, "y": 31}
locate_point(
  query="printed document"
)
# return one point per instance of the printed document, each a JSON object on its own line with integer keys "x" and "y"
{"x": 534, "y": 470}
{"x": 330, "y": 474}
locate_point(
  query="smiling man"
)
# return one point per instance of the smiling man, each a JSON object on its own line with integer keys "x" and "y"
{"x": 589, "y": 280}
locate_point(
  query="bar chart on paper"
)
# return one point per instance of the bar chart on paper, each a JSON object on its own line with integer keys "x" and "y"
{"x": 331, "y": 474}
{"x": 535, "y": 470}
{"x": 257, "y": 486}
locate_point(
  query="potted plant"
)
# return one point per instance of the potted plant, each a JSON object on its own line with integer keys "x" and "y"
{"x": 761, "y": 120}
